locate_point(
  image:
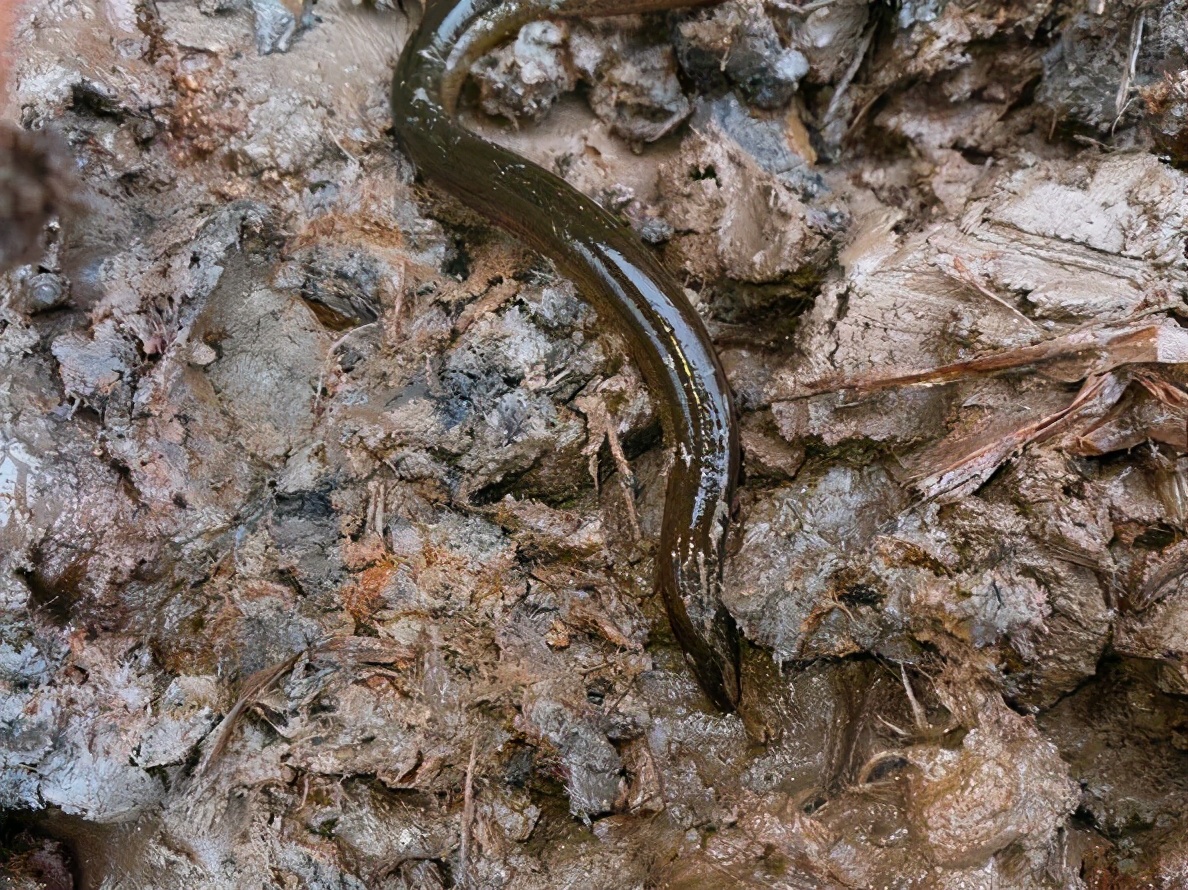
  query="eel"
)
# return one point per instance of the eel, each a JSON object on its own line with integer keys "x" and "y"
{"x": 624, "y": 283}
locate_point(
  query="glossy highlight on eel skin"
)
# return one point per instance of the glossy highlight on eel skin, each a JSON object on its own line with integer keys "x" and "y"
{"x": 616, "y": 274}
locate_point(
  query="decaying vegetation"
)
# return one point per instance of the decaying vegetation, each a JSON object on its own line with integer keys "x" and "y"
{"x": 326, "y": 511}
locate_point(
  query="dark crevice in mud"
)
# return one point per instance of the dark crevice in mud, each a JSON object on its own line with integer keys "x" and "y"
{"x": 1126, "y": 742}
{"x": 65, "y": 852}
{"x": 26, "y": 849}
{"x": 56, "y": 598}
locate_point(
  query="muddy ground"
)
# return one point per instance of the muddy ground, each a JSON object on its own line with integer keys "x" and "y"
{"x": 327, "y": 511}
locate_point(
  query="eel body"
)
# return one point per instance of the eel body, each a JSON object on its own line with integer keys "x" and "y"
{"x": 613, "y": 272}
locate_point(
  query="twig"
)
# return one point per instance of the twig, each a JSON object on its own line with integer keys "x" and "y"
{"x": 898, "y": 730}
{"x": 806, "y": 8}
{"x": 256, "y": 685}
{"x": 602, "y": 428}
{"x": 844, "y": 83}
{"x": 1136, "y": 42}
{"x": 873, "y": 763}
{"x": 467, "y": 817}
{"x": 349, "y": 650}
{"x": 1099, "y": 349}
{"x": 330, "y": 356}
{"x": 917, "y": 711}
{"x": 377, "y": 496}
{"x": 963, "y": 274}
{"x": 956, "y": 472}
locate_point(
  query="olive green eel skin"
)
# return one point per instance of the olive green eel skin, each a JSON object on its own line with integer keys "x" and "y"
{"x": 625, "y": 284}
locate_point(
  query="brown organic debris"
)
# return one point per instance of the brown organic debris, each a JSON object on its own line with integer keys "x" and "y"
{"x": 1109, "y": 360}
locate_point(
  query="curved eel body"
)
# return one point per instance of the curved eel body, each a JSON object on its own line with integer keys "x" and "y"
{"x": 614, "y": 273}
